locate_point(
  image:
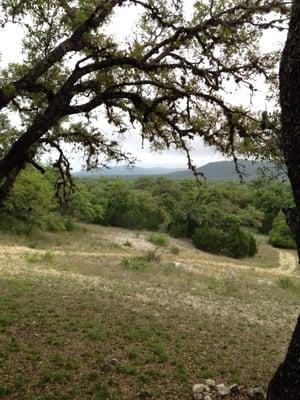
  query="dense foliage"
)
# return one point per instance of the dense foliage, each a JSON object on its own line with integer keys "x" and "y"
{"x": 233, "y": 242}
{"x": 221, "y": 234}
{"x": 32, "y": 205}
{"x": 217, "y": 217}
{"x": 281, "y": 235}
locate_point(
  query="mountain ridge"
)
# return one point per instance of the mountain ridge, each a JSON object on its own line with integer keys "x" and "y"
{"x": 214, "y": 171}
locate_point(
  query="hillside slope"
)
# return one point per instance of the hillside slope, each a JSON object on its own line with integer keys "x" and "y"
{"x": 226, "y": 170}
{"x": 86, "y": 316}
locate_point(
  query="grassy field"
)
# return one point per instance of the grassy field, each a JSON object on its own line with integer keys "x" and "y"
{"x": 103, "y": 313}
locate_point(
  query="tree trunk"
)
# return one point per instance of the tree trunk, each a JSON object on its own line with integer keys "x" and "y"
{"x": 285, "y": 385}
{"x": 24, "y": 149}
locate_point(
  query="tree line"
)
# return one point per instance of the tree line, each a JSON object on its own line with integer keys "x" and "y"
{"x": 220, "y": 218}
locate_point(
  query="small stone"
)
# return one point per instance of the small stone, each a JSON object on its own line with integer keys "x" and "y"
{"x": 198, "y": 396}
{"x": 210, "y": 382}
{"x": 223, "y": 390}
{"x": 200, "y": 388}
{"x": 207, "y": 397}
{"x": 232, "y": 275}
{"x": 234, "y": 389}
{"x": 257, "y": 393}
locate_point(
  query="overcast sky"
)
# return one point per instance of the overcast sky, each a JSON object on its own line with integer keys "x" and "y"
{"x": 122, "y": 24}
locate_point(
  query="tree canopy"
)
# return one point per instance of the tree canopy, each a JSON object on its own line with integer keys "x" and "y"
{"x": 169, "y": 79}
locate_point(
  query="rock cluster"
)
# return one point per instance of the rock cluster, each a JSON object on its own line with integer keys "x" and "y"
{"x": 209, "y": 390}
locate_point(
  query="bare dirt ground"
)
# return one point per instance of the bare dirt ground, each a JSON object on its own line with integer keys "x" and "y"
{"x": 288, "y": 262}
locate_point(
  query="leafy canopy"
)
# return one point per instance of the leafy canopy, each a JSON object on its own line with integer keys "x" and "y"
{"x": 169, "y": 79}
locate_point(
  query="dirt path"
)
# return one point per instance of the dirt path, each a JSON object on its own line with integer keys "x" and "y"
{"x": 6, "y": 250}
{"x": 142, "y": 293}
{"x": 288, "y": 263}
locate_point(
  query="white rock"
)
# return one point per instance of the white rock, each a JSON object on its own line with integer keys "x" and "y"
{"x": 200, "y": 388}
{"x": 257, "y": 393}
{"x": 207, "y": 397}
{"x": 210, "y": 382}
{"x": 198, "y": 396}
{"x": 223, "y": 390}
{"x": 232, "y": 275}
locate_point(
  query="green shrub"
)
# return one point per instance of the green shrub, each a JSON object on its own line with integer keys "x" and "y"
{"x": 286, "y": 283}
{"x": 141, "y": 263}
{"x": 209, "y": 239}
{"x": 233, "y": 243}
{"x": 39, "y": 258}
{"x": 281, "y": 236}
{"x": 10, "y": 224}
{"x": 252, "y": 245}
{"x": 4, "y": 391}
{"x": 240, "y": 244}
{"x": 70, "y": 226}
{"x": 179, "y": 226}
{"x": 128, "y": 208}
{"x": 31, "y": 204}
{"x": 159, "y": 350}
{"x": 158, "y": 239}
{"x": 134, "y": 264}
{"x": 52, "y": 222}
{"x": 151, "y": 256}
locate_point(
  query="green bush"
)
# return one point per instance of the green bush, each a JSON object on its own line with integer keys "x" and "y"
{"x": 241, "y": 244}
{"x": 151, "y": 256}
{"x": 31, "y": 204}
{"x": 270, "y": 199}
{"x": 179, "y": 225}
{"x": 209, "y": 239}
{"x": 39, "y": 258}
{"x": 281, "y": 236}
{"x": 158, "y": 239}
{"x": 128, "y": 208}
{"x": 135, "y": 264}
{"x": 233, "y": 243}
{"x": 286, "y": 283}
{"x": 85, "y": 205}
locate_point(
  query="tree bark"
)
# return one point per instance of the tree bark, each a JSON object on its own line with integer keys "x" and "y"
{"x": 24, "y": 149}
{"x": 285, "y": 385}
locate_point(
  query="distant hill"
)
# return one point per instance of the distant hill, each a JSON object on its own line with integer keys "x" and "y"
{"x": 124, "y": 171}
{"x": 214, "y": 171}
{"x": 226, "y": 170}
